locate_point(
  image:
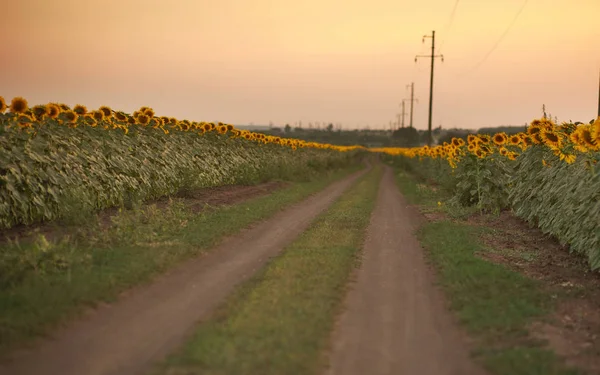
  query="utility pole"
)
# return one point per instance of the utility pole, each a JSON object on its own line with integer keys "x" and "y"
{"x": 403, "y": 111}
{"x": 433, "y": 56}
{"x": 412, "y": 100}
{"x": 599, "y": 95}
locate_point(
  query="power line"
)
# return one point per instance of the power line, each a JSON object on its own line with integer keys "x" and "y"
{"x": 498, "y": 41}
{"x": 449, "y": 25}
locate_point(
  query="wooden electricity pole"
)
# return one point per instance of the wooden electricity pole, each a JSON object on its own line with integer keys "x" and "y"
{"x": 432, "y": 56}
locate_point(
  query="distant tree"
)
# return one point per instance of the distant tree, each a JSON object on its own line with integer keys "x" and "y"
{"x": 406, "y": 137}
{"x": 287, "y": 128}
{"x": 330, "y": 127}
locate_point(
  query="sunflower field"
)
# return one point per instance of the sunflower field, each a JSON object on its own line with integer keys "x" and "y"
{"x": 55, "y": 159}
{"x": 548, "y": 175}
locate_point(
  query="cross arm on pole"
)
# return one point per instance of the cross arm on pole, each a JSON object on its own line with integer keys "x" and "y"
{"x": 417, "y": 56}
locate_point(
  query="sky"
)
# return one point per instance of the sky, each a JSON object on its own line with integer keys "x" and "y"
{"x": 283, "y": 61}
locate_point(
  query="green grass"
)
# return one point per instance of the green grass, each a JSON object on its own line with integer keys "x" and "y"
{"x": 492, "y": 302}
{"x": 279, "y": 322}
{"x": 64, "y": 276}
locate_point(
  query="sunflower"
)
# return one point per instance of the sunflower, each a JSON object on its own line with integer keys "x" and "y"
{"x": 143, "y": 119}
{"x": 53, "y": 110}
{"x": 480, "y": 154}
{"x": 184, "y": 125}
{"x": 80, "y": 109}
{"x": 39, "y": 111}
{"x": 596, "y": 131}
{"x": 148, "y": 112}
{"x": 2, "y": 105}
{"x": 533, "y": 129}
{"x": 484, "y": 138}
{"x": 173, "y": 121}
{"x": 500, "y": 138}
{"x": 512, "y": 155}
{"x": 222, "y": 129}
{"x": 89, "y": 119}
{"x": 159, "y": 121}
{"x": 503, "y": 151}
{"x": 569, "y": 158}
{"x": 25, "y": 119}
{"x": 64, "y": 107}
{"x": 131, "y": 120}
{"x": 472, "y": 147}
{"x": 514, "y": 140}
{"x": 106, "y": 111}
{"x": 551, "y": 138}
{"x": 120, "y": 116}
{"x": 70, "y": 116}
{"x": 206, "y": 127}
{"x": 485, "y": 148}
{"x": 98, "y": 115}
{"x": 229, "y": 127}
{"x": 586, "y": 138}
{"x": 18, "y": 105}
{"x": 567, "y": 127}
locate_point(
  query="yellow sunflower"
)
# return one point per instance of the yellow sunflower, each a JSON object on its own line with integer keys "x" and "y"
{"x": 143, "y": 119}
{"x": 39, "y": 111}
{"x": 89, "y": 120}
{"x": 18, "y": 105}
{"x": 120, "y": 116}
{"x": 80, "y": 109}
{"x": 514, "y": 140}
{"x": 551, "y": 138}
{"x": 484, "y": 138}
{"x": 53, "y": 110}
{"x": 500, "y": 138}
{"x": 2, "y": 105}
{"x": 70, "y": 116}
{"x": 98, "y": 115}
{"x": 148, "y": 112}
{"x": 106, "y": 111}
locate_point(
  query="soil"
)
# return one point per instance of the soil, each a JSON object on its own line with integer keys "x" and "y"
{"x": 396, "y": 319}
{"x": 149, "y": 322}
{"x": 573, "y": 329}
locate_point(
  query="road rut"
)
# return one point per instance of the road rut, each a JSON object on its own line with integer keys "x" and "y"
{"x": 395, "y": 320}
{"x": 129, "y": 336}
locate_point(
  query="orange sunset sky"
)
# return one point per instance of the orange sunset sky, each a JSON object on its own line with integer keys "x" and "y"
{"x": 348, "y": 62}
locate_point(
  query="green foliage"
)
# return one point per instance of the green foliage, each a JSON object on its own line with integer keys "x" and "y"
{"x": 561, "y": 199}
{"x": 55, "y": 171}
{"x": 482, "y": 183}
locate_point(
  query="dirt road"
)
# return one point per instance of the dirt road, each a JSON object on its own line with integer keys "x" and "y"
{"x": 128, "y": 336}
{"x": 395, "y": 320}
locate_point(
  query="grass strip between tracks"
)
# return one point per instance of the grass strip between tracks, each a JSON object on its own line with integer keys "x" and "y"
{"x": 280, "y": 321}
